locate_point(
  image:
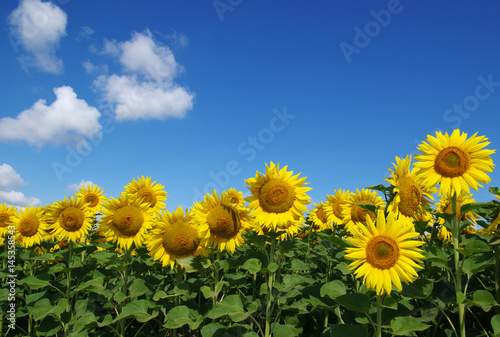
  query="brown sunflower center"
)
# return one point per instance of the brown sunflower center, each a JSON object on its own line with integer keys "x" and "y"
{"x": 337, "y": 210}
{"x": 92, "y": 199}
{"x": 382, "y": 252}
{"x": 451, "y": 162}
{"x": 180, "y": 239}
{"x": 223, "y": 221}
{"x": 4, "y": 219}
{"x": 147, "y": 195}
{"x": 359, "y": 214}
{"x": 71, "y": 219}
{"x": 321, "y": 215}
{"x": 128, "y": 220}
{"x": 410, "y": 195}
{"x": 29, "y": 226}
{"x": 276, "y": 196}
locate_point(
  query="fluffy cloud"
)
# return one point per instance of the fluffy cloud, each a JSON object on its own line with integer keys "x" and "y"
{"x": 38, "y": 27}
{"x": 73, "y": 187}
{"x": 146, "y": 90}
{"x": 67, "y": 120}
{"x": 9, "y": 180}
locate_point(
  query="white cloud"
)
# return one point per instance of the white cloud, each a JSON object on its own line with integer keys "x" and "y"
{"x": 92, "y": 68}
{"x": 18, "y": 199}
{"x": 134, "y": 100}
{"x": 147, "y": 89}
{"x": 38, "y": 27}
{"x": 67, "y": 120}
{"x": 86, "y": 32}
{"x": 9, "y": 178}
{"x": 73, "y": 187}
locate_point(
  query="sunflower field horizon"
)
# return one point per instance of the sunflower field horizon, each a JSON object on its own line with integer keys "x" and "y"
{"x": 411, "y": 255}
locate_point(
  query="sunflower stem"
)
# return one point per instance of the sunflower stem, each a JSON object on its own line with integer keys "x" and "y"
{"x": 216, "y": 276}
{"x": 458, "y": 268}
{"x": 269, "y": 295}
{"x": 380, "y": 299}
{"x": 497, "y": 277}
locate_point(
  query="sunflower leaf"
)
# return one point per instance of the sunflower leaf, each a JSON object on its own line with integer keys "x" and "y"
{"x": 483, "y": 299}
{"x": 495, "y": 324}
{"x": 354, "y": 302}
{"x": 333, "y": 289}
{"x": 252, "y": 265}
{"x": 404, "y": 325}
{"x": 182, "y": 315}
{"x": 475, "y": 246}
{"x": 348, "y": 330}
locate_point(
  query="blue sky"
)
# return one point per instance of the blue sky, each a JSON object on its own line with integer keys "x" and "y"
{"x": 200, "y": 95}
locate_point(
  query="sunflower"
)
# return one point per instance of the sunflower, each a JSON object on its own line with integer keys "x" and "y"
{"x": 221, "y": 221}
{"x": 93, "y": 196}
{"x": 278, "y": 197}
{"x": 384, "y": 252}
{"x": 353, "y": 213}
{"x": 30, "y": 225}
{"x": 494, "y": 226}
{"x": 7, "y": 215}
{"x": 151, "y": 193}
{"x": 334, "y": 205}
{"x": 235, "y": 196}
{"x": 126, "y": 220}
{"x": 289, "y": 229}
{"x": 175, "y": 236}
{"x": 454, "y": 162}
{"x": 445, "y": 206}
{"x": 409, "y": 197}
{"x": 319, "y": 218}
{"x": 70, "y": 219}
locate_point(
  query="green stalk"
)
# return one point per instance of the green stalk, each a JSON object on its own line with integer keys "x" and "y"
{"x": 269, "y": 295}
{"x": 497, "y": 277}
{"x": 458, "y": 268}
{"x": 378, "y": 332}
{"x": 216, "y": 276}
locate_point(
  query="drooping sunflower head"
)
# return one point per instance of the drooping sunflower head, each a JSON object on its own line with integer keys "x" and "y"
{"x": 234, "y": 196}
{"x": 221, "y": 221}
{"x": 126, "y": 220}
{"x": 454, "y": 162}
{"x": 175, "y": 236}
{"x": 151, "y": 193}
{"x": 409, "y": 196}
{"x": 385, "y": 252}
{"x": 7, "y": 215}
{"x": 30, "y": 225}
{"x": 278, "y": 197}
{"x": 319, "y": 218}
{"x": 334, "y": 205}
{"x": 445, "y": 206}
{"x": 92, "y": 196}
{"x": 352, "y": 211}
{"x": 495, "y": 224}
{"x": 70, "y": 219}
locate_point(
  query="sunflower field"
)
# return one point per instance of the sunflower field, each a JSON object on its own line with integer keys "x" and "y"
{"x": 412, "y": 256}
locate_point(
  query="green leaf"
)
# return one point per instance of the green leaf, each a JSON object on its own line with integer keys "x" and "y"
{"x": 333, "y": 289}
{"x": 299, "y": 265}
{"x": 48, "y": 327}
{"x": 347, "y": 330}
{"x": 272, "y": 267}
{"x": 495, "y": 324}
{"x": 93, "y": 284}
{"x": 390, "y": 303}
{"x": 404, "y": 325}
{"x": 252, "y": 265}
{"x": 137, "y": 288}
{"x": 475, "y": 246}
{"x": 48, "y": 257}
{"x": 87, "y": 319}
{"x": 477, "y": 263}
{"x": 181, "y": 315}
{"x": 139, "y": 310}
{"x": 483, "y": 299}
{"x": 231, "y": 306}
{"x": 285, "y": 330}
{"x": 420, "y": 288}
{"x": 44, "y": 308}
{"x": 33, "y": 283}
{"x": 437, "y": 256}
{"x": 354, "y": 302}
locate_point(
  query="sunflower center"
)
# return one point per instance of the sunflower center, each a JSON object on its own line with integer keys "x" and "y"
{"x": 321, "y": 215}
{"x": 4, "y": 219}
{"x": 128, "y": 220}
{"x": 91, "y": 199}
{"x": 382, "y": 252}
{"x": 359, "y": 214}
{"x": 71, "y": 219}
{"x": 147, "y": 196}
{"x": 180, "y": 239}
{"x": 276, "y": 196}
{"x": 337, "y": 210}
{"x": 451, "y": 162}
{"x": 223, "y": 221}
{"x": 29, "y": 227}
{"x": 410, "y": 195}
